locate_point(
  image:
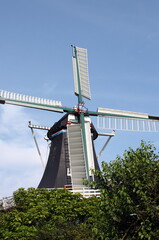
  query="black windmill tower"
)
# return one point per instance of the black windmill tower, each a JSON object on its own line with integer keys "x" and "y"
{"x": 72, "y": 156}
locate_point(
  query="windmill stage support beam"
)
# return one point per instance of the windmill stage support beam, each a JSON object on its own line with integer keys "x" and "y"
{"x": 106, "y": 143}
{"x": 36, "y": 143}
{"x": 107, "y": 134}
{"x": 30, "y": 125}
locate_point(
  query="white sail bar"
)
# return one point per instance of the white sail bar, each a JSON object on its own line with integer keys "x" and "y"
{"x": 122, "y": 113}
{"x": 127, "y": 124}
{"x": 82, "y": 60}
{"x": 29, "y": 101}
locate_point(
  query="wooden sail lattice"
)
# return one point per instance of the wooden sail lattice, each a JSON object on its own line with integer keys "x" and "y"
{"x": 127, "y": 124}
{"x": 80, "y": 67}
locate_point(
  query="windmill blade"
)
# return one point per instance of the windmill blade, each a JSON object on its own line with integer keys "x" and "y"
{"x": 79, "y": 152}
{"x": 29, "y": 101}
{"x": 126, "y": 121}
{"x": 76, "y": 153}
{"x": 80, "y": 72}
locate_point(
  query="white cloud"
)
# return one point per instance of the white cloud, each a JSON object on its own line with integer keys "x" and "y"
{"x": 20, "y": 164}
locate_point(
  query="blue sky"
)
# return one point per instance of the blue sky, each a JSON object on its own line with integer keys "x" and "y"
{"x": 122, "y": 38}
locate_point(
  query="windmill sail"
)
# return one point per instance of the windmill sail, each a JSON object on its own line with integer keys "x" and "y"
{"x": 29, "y": 101}
{"x": 126, "y": 121}
{"x": 128, "y": 124}
{"x": 80, "y": 73}
{"x": 77, "y": 157}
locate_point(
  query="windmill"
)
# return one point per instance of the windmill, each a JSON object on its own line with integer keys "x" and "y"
{"x": 72, "y": 155}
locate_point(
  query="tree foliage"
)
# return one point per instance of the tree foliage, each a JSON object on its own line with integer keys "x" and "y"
{"x": 49, "y": 214}
{"x": 130, "y": 195}
{"x": 127, "y": 209}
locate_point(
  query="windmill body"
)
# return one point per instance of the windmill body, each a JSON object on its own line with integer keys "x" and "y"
{"x": 72, "y": 154}
{"x": 66, "y": 163}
